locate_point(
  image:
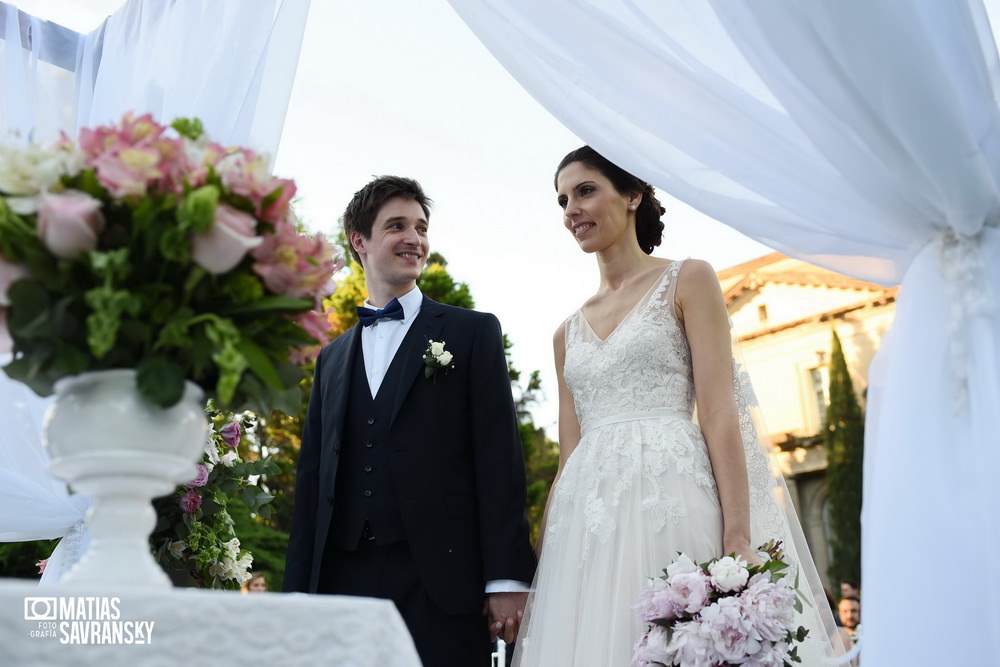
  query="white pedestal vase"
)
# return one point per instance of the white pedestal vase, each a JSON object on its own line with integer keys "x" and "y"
{"x": 108, "y": 442}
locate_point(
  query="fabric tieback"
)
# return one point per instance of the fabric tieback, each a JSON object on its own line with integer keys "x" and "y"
{"x": 369, "y": 316}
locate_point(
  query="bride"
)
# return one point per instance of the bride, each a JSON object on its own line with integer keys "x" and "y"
{"x": 638, "y": 480}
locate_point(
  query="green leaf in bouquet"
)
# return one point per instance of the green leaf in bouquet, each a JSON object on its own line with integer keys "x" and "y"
{"x": 174, "y": 333}
{"x": 196, "y": 211}
{"x": 244, "y": 289}
{"x": 259, "y": 363}
{"x": 31, "y": 313}
{"x": 192, "y": 128}
{"x": 160, "y": 380}
{"x": 29, "y": 371}
{"x": 175, "y": 245}
{"x": 107, "y": 305}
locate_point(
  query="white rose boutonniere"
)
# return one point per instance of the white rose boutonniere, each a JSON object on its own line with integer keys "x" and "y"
{"x": 435, "y": 357}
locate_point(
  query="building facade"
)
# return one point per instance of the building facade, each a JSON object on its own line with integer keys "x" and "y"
{"x": 784, "y": 312}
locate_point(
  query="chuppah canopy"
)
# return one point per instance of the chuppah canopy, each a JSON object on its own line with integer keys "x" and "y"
{"x": 861, "y": 136}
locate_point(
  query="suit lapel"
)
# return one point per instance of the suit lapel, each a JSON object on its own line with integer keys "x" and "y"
{"x": 408, "y": 363}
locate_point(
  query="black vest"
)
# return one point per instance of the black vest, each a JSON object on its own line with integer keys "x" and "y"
{"x": 363, "y": 491}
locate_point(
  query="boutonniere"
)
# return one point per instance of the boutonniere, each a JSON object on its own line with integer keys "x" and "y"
{"x": 435, "y": 357}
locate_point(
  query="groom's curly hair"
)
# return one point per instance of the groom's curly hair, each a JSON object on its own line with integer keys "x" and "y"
{"x": 360, "y": 214}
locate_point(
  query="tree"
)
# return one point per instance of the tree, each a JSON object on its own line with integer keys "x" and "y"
{"x": 844, "y": 439}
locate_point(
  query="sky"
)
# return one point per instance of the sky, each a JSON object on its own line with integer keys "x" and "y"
{"x": 405, "y": 88}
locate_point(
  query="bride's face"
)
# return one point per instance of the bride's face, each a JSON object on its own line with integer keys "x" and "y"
{"x": 594, "y": 212}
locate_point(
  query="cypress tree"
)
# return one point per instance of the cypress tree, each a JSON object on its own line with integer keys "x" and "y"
{"x": 844, "y": 439}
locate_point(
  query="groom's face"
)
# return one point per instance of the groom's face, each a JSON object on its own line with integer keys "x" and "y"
{"x": 396, "y": 252}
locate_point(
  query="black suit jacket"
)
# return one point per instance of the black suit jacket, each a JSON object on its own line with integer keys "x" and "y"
{"x": 456, "y": 462}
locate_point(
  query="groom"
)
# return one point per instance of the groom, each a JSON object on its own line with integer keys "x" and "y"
{"x": 411, "y": 479}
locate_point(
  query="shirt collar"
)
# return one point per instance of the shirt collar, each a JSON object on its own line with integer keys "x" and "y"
{"x": 410, "y": 302}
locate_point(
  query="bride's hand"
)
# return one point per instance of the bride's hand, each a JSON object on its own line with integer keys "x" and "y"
{"x": 745, "y": 552}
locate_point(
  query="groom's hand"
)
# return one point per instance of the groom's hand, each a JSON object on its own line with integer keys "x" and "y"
{"x": 504, "y": 612}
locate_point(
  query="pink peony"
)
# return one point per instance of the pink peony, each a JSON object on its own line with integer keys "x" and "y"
{"x": 689, "y": 592}
{"x": 651, "y": 648}
{"x": 227, "y": 242}
{"x": 655, "y": 603}
{"x": 190, "y": 502}
{"x": 200, "y": 479}
{"x": 231, "y": 433}
{"x": 9, "y": 274}
{"x": 733, "y": 634}
{"x": 691, "y": 646}
{"x": 68, "y": 223}
{"x": 770, "y": 607}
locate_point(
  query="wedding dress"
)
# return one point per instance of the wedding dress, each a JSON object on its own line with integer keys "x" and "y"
{"x": 637, "y": 489}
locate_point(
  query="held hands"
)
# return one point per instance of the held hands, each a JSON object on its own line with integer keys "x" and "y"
{"x": 503, "y": 612}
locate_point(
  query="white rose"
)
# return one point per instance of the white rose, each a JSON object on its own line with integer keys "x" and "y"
{"x": 444, "y": 358}
{"x": 729, "y": 574}
{"x": 437, "y": 349}
{"x": 228, "y": 459}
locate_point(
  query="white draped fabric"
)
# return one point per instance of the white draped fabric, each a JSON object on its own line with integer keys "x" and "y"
{"x": 214, "y": 59}
{"x": 861, "y": 136}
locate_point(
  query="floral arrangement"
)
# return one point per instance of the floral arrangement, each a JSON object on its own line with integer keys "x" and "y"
{"x": 436, "y": 357}
{"x": 194, "y": 530}
{"x": 152, "y": 247}
{"x": 721, "y": 612}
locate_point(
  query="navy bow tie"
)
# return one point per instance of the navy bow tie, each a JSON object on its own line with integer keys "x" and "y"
{"x": 369, "y": 316}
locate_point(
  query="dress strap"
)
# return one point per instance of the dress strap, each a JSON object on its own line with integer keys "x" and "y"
{"x": 639, "y": 415}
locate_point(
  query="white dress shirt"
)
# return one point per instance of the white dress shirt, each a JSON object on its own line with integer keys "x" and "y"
{"x": 381, "y": 340}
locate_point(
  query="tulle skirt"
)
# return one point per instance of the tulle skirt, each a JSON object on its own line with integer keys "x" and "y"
{"x": 630, "y": 497}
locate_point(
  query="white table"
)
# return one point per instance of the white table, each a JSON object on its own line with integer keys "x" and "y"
{"x": 197, "y": 627}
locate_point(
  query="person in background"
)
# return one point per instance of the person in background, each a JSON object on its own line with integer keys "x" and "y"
{"x": 256, "y": 584}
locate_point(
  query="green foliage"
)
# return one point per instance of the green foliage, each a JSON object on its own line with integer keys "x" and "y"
{"x": 267, "y": 544}
{"x": 17, "y": 559}
{"x": 844, "y": 439}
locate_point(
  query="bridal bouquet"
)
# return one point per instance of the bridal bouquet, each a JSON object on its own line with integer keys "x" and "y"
{"x": 720, "y": 613}
{"x": 151, "y": 247}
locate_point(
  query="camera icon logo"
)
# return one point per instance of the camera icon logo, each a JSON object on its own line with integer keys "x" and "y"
{"x": 40, "y": 609}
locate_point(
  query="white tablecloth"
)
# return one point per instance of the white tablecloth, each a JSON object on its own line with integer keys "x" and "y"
{"x": 47, "y": 625}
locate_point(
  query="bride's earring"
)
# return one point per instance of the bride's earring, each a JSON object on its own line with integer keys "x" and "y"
{"x": 632, "y": 207}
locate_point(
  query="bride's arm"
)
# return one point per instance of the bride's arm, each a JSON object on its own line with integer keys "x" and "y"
{"x": 702, "y": 309}
{"x": 569, "y": 427}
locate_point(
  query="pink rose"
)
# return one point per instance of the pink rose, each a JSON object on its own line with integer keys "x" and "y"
{"x": 68, "y": 223}
{"x": 200, "y": 479}
{"x": 227, "y": 242}
{"x": 9, "y": 274}
{"x": 6, "y": 342}
{"x": 190, "y": 502}
{"x": 231, "y": 434}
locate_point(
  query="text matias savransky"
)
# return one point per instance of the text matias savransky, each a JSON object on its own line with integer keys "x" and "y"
{"x": 85, "y": 620}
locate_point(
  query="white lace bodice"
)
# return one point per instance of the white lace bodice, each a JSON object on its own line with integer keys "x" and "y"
{"x": 643, "y": 365}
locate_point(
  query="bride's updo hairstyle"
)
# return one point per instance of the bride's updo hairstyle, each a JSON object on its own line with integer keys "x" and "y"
{"x": 648, "y": 226}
